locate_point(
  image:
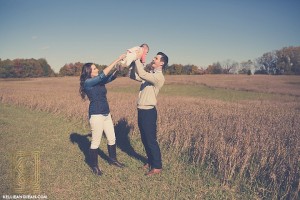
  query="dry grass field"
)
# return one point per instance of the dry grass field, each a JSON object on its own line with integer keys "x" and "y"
{"x": 242, "y": 129}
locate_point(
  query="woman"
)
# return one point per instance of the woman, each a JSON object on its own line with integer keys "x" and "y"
{"x": 92, "y": 85}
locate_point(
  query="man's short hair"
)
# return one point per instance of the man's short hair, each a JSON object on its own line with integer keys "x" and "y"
{"x": 164, "y": 58}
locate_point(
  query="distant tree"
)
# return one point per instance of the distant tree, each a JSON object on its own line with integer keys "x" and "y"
{"x": 283, "y": 61}
{"x": 215, "y": 68}
{"x": 186, "y": 69}
{"x": 196, "y": 70}
{"x": 21, "y": 68}
{"x": 175, "y": 69}
{"x": 77, "y": 68}
{"x": 71, "y": 69}
{"x": 190, "y": 69}
{"x": 178, "y": 69}
{"x": 46, "y": 67}
{"x": 124, "y": 72}
{"x": 101, "y": 67}
{"x": 229, "y": 66}
{"x": 268, "y": 62}
{"x": 288, "y": 60}
{"x": 247, "y": 67}
{"x": 6, "y": 69}
{"x": 74, "y": 69}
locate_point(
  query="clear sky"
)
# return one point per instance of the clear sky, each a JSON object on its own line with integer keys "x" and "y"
{"x": 199, "y": 32}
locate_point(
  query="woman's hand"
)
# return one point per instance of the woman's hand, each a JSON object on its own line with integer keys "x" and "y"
{"x": 121, "y": 57}
{"x": 112, "y": 65}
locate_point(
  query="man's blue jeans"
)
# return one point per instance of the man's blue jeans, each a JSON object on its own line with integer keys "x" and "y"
{"x": 148, "y": 128}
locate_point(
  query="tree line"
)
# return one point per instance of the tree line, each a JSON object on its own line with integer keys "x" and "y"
{"x": 285, "y": 61}
{"x": 23, "y": 68}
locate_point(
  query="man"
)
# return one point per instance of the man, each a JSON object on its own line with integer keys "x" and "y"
{"x": 147, "y": 115}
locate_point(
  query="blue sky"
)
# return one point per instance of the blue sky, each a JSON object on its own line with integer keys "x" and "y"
{"x": 199, "y": 32}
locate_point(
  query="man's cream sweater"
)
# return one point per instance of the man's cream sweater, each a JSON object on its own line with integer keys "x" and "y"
{"x": 151, "y": 84}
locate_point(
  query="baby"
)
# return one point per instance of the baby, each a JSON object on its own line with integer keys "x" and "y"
{"x": 134, "y": 53}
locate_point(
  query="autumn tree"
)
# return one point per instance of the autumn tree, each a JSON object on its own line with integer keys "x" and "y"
{"x": 288, "y": 60}
{"x": 74, "y": 69}
{"x": 215, "y": 68}
{"x": 283, "y": 61}
{"x": 22, "y": 68}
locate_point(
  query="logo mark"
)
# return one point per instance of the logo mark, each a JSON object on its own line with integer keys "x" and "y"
{"x": 26, "y": 172}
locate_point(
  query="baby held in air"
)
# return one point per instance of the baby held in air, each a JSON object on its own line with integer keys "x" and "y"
{"x": 134, "y": 53}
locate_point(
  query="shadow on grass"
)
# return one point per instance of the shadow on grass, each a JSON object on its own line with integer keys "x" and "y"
{"x": 122, "y": 130}
{"x": 84, "y": 145}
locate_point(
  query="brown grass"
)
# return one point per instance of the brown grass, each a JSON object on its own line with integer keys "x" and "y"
{"x": 259, "y": 83}
{"x": 253, "y": 141}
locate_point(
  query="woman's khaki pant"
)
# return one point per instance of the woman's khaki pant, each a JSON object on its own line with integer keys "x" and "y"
{"x": 100, "y": 123}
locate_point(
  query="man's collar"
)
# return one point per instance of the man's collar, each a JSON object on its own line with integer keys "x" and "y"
{"x": 156, "y": 70}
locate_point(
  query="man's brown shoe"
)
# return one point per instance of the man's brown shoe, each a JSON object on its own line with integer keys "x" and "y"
{"x": 153, "y": 171}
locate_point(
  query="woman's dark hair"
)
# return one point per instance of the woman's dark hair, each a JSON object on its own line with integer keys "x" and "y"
{"x": 85, "y": 74}
{"x": 164, "y": 58}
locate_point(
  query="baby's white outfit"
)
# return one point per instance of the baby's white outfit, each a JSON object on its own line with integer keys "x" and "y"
{"x": 131, "y": 55}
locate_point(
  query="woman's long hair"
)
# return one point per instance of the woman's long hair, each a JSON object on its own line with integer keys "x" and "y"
{"x": 85, "y": 74}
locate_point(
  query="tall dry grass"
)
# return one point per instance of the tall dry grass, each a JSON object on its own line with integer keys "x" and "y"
{"x": 251, "y": 141}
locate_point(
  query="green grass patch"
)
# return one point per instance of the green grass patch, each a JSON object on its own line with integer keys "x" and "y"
{"x": 201, "y": 91}
{"x": 64, "y": 173}
{"x": 125, "y": 89}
